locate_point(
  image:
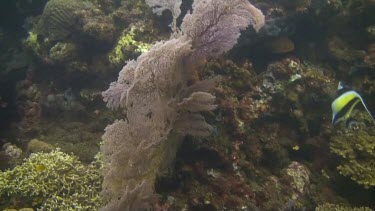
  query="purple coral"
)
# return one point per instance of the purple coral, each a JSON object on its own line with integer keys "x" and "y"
{"x": 158, "y": 6}
{"x": 160, "y": 106}
{"x": 215, "y": 25}
{"x": 115, "y": 96}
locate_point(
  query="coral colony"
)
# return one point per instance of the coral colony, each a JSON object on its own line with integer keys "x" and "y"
{"x": 197, "y": 117}
{"x": 159, "y": 104}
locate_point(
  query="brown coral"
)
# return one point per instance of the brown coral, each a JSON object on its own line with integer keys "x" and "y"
{"x": 59, "y": 18}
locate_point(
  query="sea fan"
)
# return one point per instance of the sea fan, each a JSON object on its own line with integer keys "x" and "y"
{"x": 160, "y": 107}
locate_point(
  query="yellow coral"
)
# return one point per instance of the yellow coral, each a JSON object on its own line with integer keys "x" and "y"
{"x": 32, "y": 43}
{"x": 357, "y": 149}
{"x": 54, "y": 180}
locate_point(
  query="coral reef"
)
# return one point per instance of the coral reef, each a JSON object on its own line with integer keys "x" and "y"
{"x": 13, "y": 153}
{"x": 336, "y": 207}
{"x": 51, "y": 181}
{"x": 256, "y": 137}
{"x": 38, "y": 146}
{"x": 59, "y": 18}
{"x": 62, "y": 52}
{"x": 271, "y": 145}
{"x": 75, "y": 137}
{"x": 357, "y": 150}
{"x": 342, "y": 51}
{"x": 370, "y": 55}
{"x": 300, "y": 178}
{"x": 298, "y": 5}
{"x": 281, "y": 45}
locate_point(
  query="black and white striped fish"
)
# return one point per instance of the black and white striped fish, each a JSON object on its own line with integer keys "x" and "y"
{"x": 344, "y": 104}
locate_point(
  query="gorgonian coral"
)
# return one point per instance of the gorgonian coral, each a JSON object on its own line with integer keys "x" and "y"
{"x": 158, "y": 6}
{"x": 159, "y": 104}
{"x": 214, "y": 26}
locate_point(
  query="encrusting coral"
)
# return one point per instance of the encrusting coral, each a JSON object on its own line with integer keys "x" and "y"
{"x": 154, "y": 93}
{"x": 53, "y": 181}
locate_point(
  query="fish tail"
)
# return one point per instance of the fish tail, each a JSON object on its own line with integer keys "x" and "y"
{"x": 368, "y": 111}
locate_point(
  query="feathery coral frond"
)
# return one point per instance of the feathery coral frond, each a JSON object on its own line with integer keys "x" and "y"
{"x": 160, "y": 106}
{"x": 214, "y": 26}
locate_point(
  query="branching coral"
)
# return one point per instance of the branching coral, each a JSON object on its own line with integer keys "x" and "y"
{"x": 54, "y": 180}
{"x": 336, "y": 207}
{"x": 357, "y": 150}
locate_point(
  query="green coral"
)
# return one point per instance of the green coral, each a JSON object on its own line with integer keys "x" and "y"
{"x": 357, "y": 150}
{"x": 335, "y": 207}
{"x": 62, "y": 52}
{"x": 32, "y": 42}
{"x": 127, "y": 42}
{"x": 54, "y": 181}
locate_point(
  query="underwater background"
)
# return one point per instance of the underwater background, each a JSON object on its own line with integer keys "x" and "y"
{"x": 210, "y": 105}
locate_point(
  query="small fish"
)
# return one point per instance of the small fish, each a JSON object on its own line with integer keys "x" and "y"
{"x": 344, "y": 104}
{"x": 295, "y": 148}
{"x": 40, "y": 167}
